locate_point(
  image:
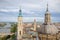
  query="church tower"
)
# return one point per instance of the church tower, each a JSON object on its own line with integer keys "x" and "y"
{"x": 35, "y": 26}
{"x": 20, "y": 26}
{"x": 47, "y": 17}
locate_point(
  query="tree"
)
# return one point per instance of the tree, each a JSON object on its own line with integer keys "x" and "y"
{"x": 13, "y": 28}
{"x": 13, "y": 37}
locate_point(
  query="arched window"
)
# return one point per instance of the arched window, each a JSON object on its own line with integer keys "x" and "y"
{"x": 20, "y": 32}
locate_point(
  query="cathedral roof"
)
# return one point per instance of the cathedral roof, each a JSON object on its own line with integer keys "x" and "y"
{"x": 49, "y": 29}
{"x": 26, "y": 36}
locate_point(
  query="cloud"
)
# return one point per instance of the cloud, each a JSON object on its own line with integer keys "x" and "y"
{"x": 33, "y": 4}
{"x": 8, "y": 19}
{"x": 54, "y": 5}
{"x": 9, "y": 10}
{"x": 9, "y": 4}
{"x": 26, "y": 19}
{"x": 55, "y": 19}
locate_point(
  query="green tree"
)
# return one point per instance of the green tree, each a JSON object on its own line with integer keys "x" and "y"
{"x": 13, "y": 28}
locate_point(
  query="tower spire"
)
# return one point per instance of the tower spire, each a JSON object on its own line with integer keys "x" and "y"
{"x": 20, "y": 12}
{"x": 47, "y": 7}
{"x": 47, "y": 16}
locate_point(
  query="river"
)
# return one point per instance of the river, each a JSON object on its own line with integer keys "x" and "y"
{"x": 5, "y": 29}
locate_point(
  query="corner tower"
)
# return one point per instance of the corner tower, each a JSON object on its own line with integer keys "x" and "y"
{"x": 20, "y": 26}
{"x": 47, "y": 17}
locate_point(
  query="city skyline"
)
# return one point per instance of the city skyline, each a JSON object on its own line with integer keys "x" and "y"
{"x": 30, "y": 9}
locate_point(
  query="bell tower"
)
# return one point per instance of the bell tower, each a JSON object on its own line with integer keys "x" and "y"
{"x": 20, "y": 26}
{"x": 47, "y": 17}
{"x": 35, "y": 26}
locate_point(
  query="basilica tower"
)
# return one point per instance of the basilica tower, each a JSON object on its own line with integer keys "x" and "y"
{"x": 47, "y": 17}
{"x": 47, "y": 26}
{"x": 35, "y": 26}
{"x": 20, "y": 26}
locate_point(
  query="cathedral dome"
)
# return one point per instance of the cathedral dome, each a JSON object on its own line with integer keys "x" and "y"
{"x": 49, "y": 29}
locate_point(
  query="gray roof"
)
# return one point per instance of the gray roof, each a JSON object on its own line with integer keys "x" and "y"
{"x": 49, "y": 29}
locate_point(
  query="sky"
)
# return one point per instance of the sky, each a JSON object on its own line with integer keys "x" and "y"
{"x": 31, "y": 9}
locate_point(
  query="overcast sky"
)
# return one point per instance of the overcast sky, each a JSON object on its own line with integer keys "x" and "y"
{"x": 31, "y": 9}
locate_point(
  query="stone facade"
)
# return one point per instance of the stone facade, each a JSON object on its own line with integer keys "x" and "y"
{"x": 20, "y": 27}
